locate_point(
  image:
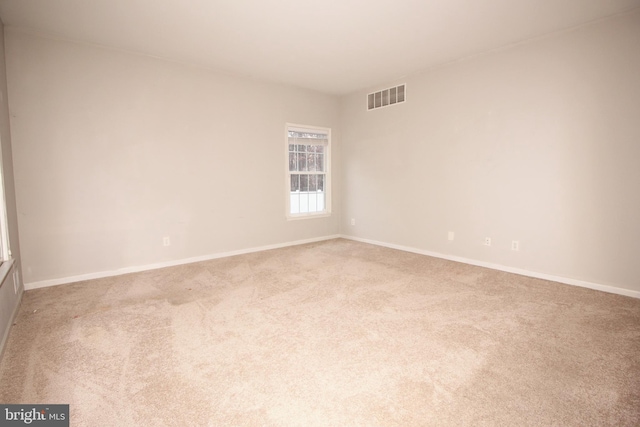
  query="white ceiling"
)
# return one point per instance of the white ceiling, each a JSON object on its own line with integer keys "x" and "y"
{"x": 334, "y": 46}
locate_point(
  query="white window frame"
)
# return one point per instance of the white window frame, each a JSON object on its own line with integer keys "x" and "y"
{"x": 327, "y": 172}
{"x": 6, "y": 260}
{"x": 5, "y": 250}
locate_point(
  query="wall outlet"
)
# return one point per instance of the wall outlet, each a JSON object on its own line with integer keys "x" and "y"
{"x": 353, "y": 221}
{"x": 452, "y": 235}
{"x": 166, "y": 241}
{"x": 487, "y": 241}
{"x": 515, "y": 245}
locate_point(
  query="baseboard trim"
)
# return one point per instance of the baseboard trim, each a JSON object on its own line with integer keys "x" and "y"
{"x": 499, "y": 267}
{"x": 137, "y": 269}
{"x": 544, "y": 276}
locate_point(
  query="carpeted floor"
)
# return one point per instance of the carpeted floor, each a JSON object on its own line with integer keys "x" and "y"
{"x": 337, "y": 333}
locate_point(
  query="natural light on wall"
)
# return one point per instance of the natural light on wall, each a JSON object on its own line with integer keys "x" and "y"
{"x": 308, "y": 171}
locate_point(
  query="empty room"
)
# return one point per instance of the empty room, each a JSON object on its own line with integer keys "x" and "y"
{"x": 320, "y": 213}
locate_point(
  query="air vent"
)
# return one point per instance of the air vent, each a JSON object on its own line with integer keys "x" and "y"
{"x": 384, "y": 98}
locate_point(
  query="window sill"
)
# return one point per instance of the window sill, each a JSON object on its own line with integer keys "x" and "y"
{"x": 310, "y": 216}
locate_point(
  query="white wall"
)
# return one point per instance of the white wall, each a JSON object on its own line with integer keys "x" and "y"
{"x": 538, "y": 143}
{"x": 113, "y": 151}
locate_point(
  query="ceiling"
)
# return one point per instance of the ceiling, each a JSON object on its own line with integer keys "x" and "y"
{"x": 333, "y": 46}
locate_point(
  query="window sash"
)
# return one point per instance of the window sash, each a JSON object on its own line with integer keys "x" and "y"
{"x": 307, "y": 161}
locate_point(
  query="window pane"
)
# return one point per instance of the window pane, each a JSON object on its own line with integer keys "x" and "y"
{"x": 392, "y": 95}
{"x": 313, "y": 202}
{"x": 320, "y": 162}
{"x": 295, "y": 182}
{"x": 320, "y": 201}
{"x": 320, "y": 149}
{"x": 320, "y": 184}
{"x": 292, "y": 147}
{"x": 294, "y": 201}
{"x": 378, "y": 99}
{"x": 385, "y": 97}
{"x": 293, "y": 161}
{"x": 304, "y": 202}
{"x": 311, "y": 162}
{"x": 304, "y": 182}
{"x": 302, "y": 148}
{"x": 313, "y": 182}
{"x": 302, "y": 162}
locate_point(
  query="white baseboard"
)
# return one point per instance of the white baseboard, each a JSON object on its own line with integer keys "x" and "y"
{"x": 565, "y": 280}
{"x": 136, "y": 269}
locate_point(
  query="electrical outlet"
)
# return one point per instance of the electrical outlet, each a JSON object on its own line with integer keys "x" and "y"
{"x": 452, "y": 235}
{"x": 353, "y": 221}
{"x": 166, "y": 241}
{"x": 487, "y": 241}
{"x": 515, "y": 245}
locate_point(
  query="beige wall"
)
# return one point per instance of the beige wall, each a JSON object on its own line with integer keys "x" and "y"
{"x": 538, "y": 143}
{"x": 113, "y": 151}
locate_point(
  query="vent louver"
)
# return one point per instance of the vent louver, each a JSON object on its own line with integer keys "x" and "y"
{"x": 386, "y": 97}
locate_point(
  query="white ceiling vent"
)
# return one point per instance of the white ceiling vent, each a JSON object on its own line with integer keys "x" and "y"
{"x": 384, "y": 98}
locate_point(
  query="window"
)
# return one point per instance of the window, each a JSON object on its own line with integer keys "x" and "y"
{"x": 308, "y": 171}
{"x": 5, "y": 252}
{"x": 6, "y": 262}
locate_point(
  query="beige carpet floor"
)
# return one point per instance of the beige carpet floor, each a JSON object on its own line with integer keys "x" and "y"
{"x": 337, "y": 333}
